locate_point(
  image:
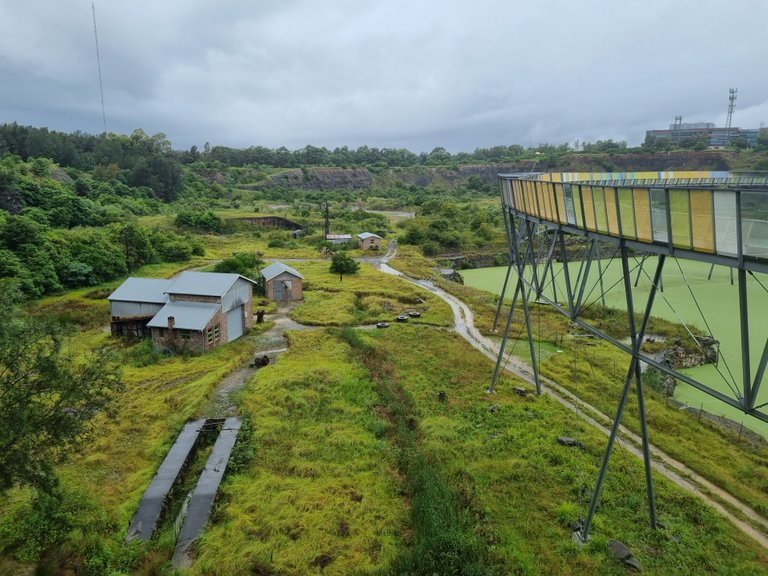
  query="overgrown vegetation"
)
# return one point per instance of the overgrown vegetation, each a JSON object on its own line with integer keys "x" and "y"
{"x": 372, "y": 452}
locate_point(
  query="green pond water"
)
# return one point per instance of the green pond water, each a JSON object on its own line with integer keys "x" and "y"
{"x": 685, "y": 284}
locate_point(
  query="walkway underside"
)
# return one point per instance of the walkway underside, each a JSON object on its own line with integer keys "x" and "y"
{"x": 723, "y": 223}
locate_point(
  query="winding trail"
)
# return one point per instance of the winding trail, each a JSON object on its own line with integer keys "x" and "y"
{"x": 725, "y": 503}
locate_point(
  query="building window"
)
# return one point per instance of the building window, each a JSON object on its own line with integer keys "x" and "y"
{"x": 185, "y": 334}
{"x": 161, "y": 332}
{"x": 213, "y": 334}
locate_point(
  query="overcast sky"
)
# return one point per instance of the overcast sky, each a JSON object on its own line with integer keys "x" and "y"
{"x": 387, "y": 73}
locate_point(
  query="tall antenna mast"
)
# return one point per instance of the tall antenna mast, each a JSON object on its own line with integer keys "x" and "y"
{"x": 731, "y": 105}
{"x": 676, "y": 129}
{"x": 98, "y": 62}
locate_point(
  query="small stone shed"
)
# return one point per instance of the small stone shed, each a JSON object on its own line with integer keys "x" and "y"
{"x": 368, "y": 240}
{"x": 196, "y": 311}
{"x": 282, "y": 283}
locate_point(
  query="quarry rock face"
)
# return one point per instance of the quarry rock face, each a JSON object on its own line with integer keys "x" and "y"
{"x": 10, "y": 200}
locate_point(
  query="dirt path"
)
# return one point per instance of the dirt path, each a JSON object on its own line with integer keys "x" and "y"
{"x": 270, "y": 343}
{"x": 677, "y": 472}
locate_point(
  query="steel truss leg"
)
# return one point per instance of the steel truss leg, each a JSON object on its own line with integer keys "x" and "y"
{"x": 744, "y": 324}
{"x": 507, "y": 219}
{"x": 504, "y": 337}
{"x": 518, "y": 237}
{"x": 633, "y": 371}
{"x": 501, "y": 297}
{"x": 531, "y": 260}
{"x": 567, "y": 275}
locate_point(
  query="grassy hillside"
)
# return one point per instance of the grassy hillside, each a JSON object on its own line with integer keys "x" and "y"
{"x": 372, "y": 452}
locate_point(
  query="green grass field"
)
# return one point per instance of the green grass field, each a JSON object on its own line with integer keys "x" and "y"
{"x": 680, "y": 302}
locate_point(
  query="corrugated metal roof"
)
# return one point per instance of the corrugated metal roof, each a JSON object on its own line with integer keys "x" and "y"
{"x": 187, "y": 315}
{"x": 277, "y": 268}
{"x": 338, "y": 236}
{"x": 142, "y": 290}
{"x": 204, "y": 283}
{"x": 366, "y": 235}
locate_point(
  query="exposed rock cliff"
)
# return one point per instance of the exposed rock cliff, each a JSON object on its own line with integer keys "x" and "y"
{"x": 451, "y": 177}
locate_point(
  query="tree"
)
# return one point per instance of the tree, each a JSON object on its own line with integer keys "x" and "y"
{"x": 48, "y": 398}
{"x": 244, "y": 263}
{"x": 343, "y": 263}
{"x": 136, "y": 245}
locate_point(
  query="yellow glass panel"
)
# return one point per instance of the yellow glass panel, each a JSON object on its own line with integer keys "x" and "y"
{"x": 613, "y": 215}
{"x": 552, "y": 207}
{"x": 519, "y": 196}
{"x": 538, "y": 190}
{"x": 627, "y": 213}
{"x": 533, "y": 205}
{"x": 560, "y": 199}
{"x": 642, "y": 214}
{"x": 577, "y": 206}
{"x": 680, "y": 216}
{"x": 589, "y": 208}
{"x": 702, "y": 219}
{"x": 530, "y": 200}
{"x": 598, "y": 197}
{"x": 526, "y": 198}
{"x": 543, "y": 194}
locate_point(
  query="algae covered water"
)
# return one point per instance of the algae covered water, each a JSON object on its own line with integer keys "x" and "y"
{"x": 689, "y": 297}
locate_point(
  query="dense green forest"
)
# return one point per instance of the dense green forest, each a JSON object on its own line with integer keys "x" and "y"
{"x": 72, "y": 203}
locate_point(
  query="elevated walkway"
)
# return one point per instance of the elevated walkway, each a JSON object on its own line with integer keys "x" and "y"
{"x": 702, "y": 216}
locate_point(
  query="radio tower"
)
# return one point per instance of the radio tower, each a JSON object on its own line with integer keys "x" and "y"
{"x": 731, "y": 105}
{"x": 98, "y": 62}
{"x": 676, "y": 129}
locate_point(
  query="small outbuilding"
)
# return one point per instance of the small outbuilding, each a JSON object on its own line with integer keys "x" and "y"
{"x": 367, "y": 241}
{"x": 282, "y": 283}
{"x": 338, "y": 238}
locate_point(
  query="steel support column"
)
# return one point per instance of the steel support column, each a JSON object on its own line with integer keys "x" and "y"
{"x": 583, "y": 534}
{"x": 744, "y": 317}
{"x": 504, "y": 337}
{"x": 567, "y": 274}
{"x": 507, "y": 218}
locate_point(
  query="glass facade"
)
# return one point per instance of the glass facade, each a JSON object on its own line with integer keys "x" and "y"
{"x": 688, "y": 218}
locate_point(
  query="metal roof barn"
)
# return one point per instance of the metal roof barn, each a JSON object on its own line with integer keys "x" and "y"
{"x": 142, "y": 290}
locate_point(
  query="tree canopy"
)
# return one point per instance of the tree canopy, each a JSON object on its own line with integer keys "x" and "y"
{"x": 48, "y": 398}
{"x": 342, "y": 263}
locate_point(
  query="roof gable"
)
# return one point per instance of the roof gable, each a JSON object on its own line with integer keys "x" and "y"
{"x": 277, "y": 268}
{"x": 366, "y": 235}
{"x": 186, "y": 315}
{"x": 151, "y": 290}
{"x": 204, "y": 283}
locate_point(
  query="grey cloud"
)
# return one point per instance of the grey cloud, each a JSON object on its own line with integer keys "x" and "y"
{"x": 415, "y": 74}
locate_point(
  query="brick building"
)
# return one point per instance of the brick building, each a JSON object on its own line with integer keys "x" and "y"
{"x": 282, "y": 283}
{"x": 195, "y": 311}
{"x": 367, "y": 240}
